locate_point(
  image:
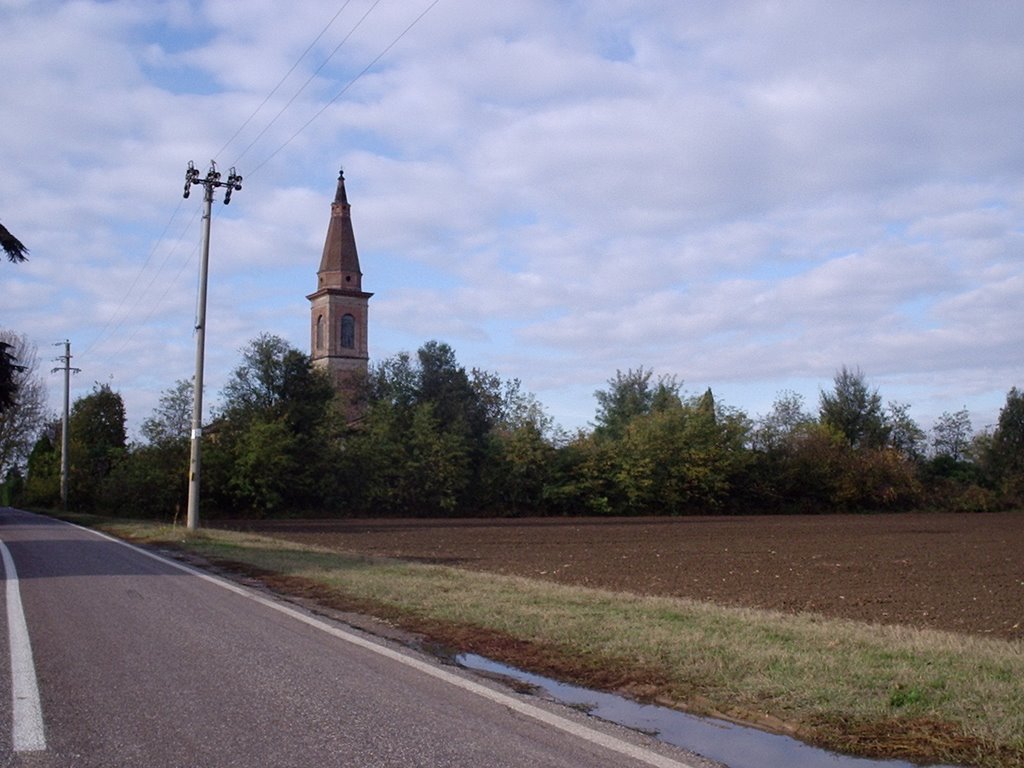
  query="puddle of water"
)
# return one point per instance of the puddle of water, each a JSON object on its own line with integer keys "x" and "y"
{"x": 735, "y": 745}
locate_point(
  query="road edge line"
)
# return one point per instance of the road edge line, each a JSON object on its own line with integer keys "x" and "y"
{"x": 27, "y": 731}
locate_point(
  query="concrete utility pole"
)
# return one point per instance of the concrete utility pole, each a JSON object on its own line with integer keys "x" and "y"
{"x": 210, "y": 183}
{"x": 64, "y": 433}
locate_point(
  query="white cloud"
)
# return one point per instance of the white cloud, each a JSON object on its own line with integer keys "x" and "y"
{"x": 746, "y": 195}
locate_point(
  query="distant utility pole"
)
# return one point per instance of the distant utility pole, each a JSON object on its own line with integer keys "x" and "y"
{"x": 210, "y": 183}
{"x": 64, "y": 434}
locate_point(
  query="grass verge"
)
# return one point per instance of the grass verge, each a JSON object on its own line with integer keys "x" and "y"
{"x": 872, "y": 690}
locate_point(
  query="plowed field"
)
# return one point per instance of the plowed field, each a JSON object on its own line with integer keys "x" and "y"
{"x": 956, "y": 572}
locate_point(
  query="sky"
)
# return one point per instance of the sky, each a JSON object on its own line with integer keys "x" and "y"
{"x": 746, "y": 195}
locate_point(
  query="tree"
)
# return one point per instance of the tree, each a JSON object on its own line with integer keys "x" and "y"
{"x": 629, "y": 395}
{"x": 267, "y": 475}
{"x": 520, "y": 408}
{"x": 786, "y": 418}
{"x": 12, "y": 487}
{"x": 269, "y": 448}
{"x": 152, "y": 481}
{"x": 172, "y": 420}
{"x": 395, "y": 380}
{"x": 952, "y": 434}
{"x": 42, "y": 481}
{"x": 435, "y": 471}
{"x": 519, "y": 469}
{"x": 9, "y": 370}
{"x": 13, "y": 247}
{"x": 402, "y": 461}
{"x": 98, "y": 441}
{"x": 21, "y": 421}
{"x": 480, "y": 432}
{"x": 905, "y": 435}
{"x": 585, "y": 482}
{"x": 259, "y": 382}
{"x": 446, "y": 385}
{"x": 680, "y": 459}
{"x": 857, "y": 456}
{"x": 98, "y": 419}
{"x": 955, "y": 476}
{"x": 472, "y": 402}
{"x": 775, "y": 479}
{"x": 854, "y": 411}
{"x": 276, "y": 381}
{"x": 1007, "y": 449}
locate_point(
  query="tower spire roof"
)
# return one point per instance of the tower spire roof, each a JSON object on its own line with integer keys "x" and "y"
{"x": 339, "y": 265}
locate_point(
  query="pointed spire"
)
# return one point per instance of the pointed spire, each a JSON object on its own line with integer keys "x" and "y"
{"x": 340, "y": 198}
{"x": 339, "y": 266}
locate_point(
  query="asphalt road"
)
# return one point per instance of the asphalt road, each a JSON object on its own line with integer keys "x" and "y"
{"x": 140, "y": 662}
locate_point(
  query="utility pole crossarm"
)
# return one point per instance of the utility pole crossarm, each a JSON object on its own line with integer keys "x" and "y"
{"x": 212, "y": 181}
{"x": 209, "y": 184}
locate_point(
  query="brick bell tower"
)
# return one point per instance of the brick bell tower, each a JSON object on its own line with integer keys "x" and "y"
{"x": 340, "y": 307}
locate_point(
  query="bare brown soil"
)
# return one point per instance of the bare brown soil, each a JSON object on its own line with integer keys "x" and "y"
{"x": 963, "y": 573}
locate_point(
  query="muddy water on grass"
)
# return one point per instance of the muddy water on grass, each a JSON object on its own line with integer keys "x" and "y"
{"x": 735, "y": 745}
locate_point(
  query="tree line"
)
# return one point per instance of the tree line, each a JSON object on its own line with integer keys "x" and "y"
{"x": 421, "y": 435}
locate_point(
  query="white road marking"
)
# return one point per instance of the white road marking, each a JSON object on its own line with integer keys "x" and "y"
{"x": 611, "y": 743}
{"x": 27, "y": 715}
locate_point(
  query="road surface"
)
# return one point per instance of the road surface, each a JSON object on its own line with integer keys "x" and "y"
{"x": 120, "y": 658}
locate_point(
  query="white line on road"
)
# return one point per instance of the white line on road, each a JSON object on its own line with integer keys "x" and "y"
{"x": 594, "y": 736}
{"x": 27, "y": 715}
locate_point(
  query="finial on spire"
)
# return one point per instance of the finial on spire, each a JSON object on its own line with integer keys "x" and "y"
{"x": 341, "y": 174}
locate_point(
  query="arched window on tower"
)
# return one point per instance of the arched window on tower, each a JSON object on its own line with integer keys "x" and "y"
{"x": 319, "y": 331}
{"x": 348, "y": 332}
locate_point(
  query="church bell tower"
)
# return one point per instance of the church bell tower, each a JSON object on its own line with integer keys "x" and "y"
{"x": 339, "y": 305}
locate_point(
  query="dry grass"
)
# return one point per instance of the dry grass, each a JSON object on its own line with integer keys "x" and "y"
{"x": 882, "y": 690}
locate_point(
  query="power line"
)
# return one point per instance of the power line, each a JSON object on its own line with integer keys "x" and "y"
{"x": 153, "y": 305}
{"x": 309, "y": 80}
{"x": 282, "y": 80}
{"x": 348, "y": 85}
{"x": 138, "y": 276}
